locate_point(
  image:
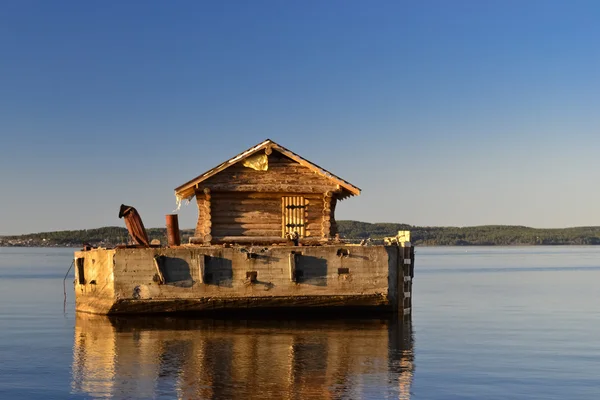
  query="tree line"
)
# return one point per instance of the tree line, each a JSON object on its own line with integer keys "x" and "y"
{"x": 425, "y": 236}
{"x": 490, "y": 235}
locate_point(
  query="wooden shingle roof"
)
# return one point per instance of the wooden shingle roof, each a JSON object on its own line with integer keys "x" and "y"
{"x": 187, "y": 190}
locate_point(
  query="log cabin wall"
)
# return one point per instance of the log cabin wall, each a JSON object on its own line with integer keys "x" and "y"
{"x": 260, "y": 214}
{"x": 204, "y": 225}
{"x": 241, "y": 201}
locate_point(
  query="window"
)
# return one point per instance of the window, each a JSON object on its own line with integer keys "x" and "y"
{"x": 80, "y": 271}
{"x": 293, "y": 210}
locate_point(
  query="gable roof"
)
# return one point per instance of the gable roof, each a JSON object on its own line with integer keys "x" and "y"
{"x": 187, "y": 190}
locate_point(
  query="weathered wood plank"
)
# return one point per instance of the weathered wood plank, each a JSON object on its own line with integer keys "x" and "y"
{"x": 315, "y": 215}
{"x": 258, "y": 195}
{"x": 249, "y": 239}
{"x": 266, "y": 177}
{"x": 281, "y": 169}
{"x": 246, "y": 220}
{"x": 217, "y": 231}
{"x": 300, "y": 188}
{"x": 257, "y": 214}
{"x": 272, "y": 209}
{"x": 314, "y": 226}
{"x": 221, "y": 203}
{"x": 248, "y": 226}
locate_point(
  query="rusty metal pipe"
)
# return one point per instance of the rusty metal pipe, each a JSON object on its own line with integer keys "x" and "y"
{"x": 134, "y": 225}
{"x": 173, "y": 230}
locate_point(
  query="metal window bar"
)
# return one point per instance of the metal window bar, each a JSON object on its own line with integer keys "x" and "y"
{"x": 293, "y": 215}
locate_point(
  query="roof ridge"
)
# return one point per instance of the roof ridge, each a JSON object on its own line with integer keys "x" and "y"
{"x": 182, "y": 191}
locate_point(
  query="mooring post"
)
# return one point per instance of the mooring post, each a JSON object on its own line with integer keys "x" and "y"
{"x": 408, "y": 265}
{"x": 406, "y": 257}
{"x": 173, "y": 238}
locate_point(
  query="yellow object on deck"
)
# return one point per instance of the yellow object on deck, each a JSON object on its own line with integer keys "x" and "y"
{"x": 403, "y": 237}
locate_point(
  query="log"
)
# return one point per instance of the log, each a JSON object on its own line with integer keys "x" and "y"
{"x": 246, "y": 232}
{"x": 266, "y": 178}
{"x": 247, "y": 220}
{"x": 252, "y": 239}
{"x": 315, "y": 226}
{"x": 249, "y": 239}
{"x": 275, "y": 168}
{"x": 248, "y": 226}
{"x": 256, "y": 213}
{"x": 300, "y": 188}
{"x": 314, "y": 211}
{"x": 234, "y": 202}
{"x": 219, "y": 196}
{"x": 242, "y": 209}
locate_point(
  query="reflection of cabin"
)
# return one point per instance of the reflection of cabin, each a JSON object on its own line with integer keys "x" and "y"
{"x": 201, "y": 358}
{"x": 265, "y": 194}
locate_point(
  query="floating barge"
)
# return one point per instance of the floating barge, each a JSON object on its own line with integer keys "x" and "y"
{"x": 265, "y": 239}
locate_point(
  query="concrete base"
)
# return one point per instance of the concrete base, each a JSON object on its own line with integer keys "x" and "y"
{"x": 209, "y": 279}
{"x": 253, "y": 304}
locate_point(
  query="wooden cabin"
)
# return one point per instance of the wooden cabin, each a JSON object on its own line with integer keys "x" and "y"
{"x": 267, "y": 194}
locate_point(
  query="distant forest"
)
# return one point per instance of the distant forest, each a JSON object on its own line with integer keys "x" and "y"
{"x": 425, "y": 236}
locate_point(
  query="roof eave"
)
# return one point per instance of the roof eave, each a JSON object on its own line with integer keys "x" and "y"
{"x": 183, "y": 191}
{"x": 191, "y": 183}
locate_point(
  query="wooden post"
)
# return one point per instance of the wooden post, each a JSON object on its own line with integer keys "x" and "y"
{"x": 161, "y": 278}
{"x": 201, "y": 267}
{"x": 407, "y": 252}
{"x": 399, "y": 306}
{"x": 293, "y": 267}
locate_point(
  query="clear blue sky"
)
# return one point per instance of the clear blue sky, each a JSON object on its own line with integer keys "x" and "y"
{"x": 444, "y": 112}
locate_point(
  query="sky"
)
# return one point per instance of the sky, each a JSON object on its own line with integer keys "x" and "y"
{"x": 444, "y": 113}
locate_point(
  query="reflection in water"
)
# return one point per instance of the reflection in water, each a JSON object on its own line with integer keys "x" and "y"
{"x": 215, "y": 359}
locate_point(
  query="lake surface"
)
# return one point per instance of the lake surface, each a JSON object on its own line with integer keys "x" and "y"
{"x": 488, "y": 323}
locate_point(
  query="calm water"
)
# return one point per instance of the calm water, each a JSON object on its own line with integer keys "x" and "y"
{"x": 488, "y": 323}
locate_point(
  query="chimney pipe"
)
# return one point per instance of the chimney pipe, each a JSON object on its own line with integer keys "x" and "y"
{"x": 173, "y": 238}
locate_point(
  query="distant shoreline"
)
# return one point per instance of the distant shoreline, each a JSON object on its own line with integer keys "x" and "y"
{"x": 488, "y": 235}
